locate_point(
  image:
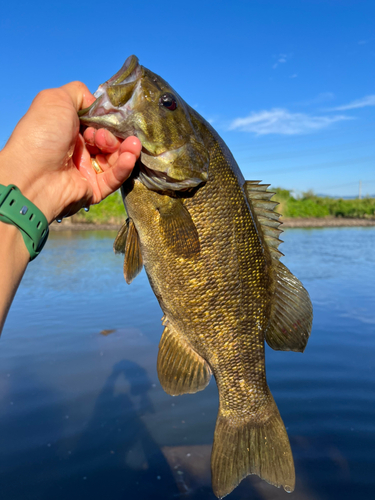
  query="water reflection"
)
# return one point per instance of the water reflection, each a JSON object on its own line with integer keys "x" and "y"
{"x": 31, "y": 426}
{"x": 130, "y": 463}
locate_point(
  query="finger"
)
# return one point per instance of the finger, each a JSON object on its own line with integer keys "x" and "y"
{"x": 81, "y": 156}
{"x": 104, "y": 161}
{"x": 89, "y": 135}
{"x": 132, "y": 144}
{"x": 106, "y": 141}
{"x": 79, "y": 94}
{"x": 114, "y": 177}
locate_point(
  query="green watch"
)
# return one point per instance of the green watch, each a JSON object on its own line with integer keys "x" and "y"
{"x": 17, "y": 210}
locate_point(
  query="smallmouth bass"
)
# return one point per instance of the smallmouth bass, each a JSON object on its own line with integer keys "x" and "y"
{"x": 208, "y": 240}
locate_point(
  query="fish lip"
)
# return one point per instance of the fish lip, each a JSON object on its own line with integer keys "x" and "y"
{"x": 159, "y": 155}
{"x": 131, "y": 63}
{"x": 130, "y": 71}
{"x": 92, "y": 106}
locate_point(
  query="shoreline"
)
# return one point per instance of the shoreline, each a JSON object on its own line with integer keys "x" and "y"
{"x": 327, "y": 222}
{"x": 68, "y": 225}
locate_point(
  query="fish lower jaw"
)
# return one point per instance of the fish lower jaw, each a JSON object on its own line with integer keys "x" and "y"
{"x": 164, "y": 155}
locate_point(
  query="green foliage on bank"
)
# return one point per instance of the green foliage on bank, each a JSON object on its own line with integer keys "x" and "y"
{"x": 310, "y": 205}
{"x": 111, "y": 210}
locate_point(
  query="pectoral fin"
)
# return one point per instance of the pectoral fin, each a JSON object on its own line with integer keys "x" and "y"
{"x": 120, "y": 241}
{"x": 179, "y": 229}
{"x": 180, "y": 369}
{"x": 127, "y": 242}
{"x": 291, "y": 314}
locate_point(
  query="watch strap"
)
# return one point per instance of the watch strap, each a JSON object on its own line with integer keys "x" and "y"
{"x": 17, "y": 210}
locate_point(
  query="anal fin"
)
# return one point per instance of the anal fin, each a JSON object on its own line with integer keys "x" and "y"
{"x": 180, "y": 369}
{"x": 291, "y": 314}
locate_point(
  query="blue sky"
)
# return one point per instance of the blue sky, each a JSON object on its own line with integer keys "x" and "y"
{"x": 289, "y": 85}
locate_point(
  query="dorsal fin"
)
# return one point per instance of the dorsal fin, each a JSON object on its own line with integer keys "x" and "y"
{"x": 291, "y": 310}
{"x": 260, "y": 200}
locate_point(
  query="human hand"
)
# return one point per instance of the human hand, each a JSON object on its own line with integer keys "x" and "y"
{"x": 50, "y": 162}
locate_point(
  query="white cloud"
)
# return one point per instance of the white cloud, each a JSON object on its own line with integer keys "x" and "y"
{"x": 319, "y": 99}
{"x": 282, "y": 121}
{"x": 281, "y": 59}
{"x": 323, "y": 97}
{"x": 294, "y": 75}
{"x": 369, "y": 100}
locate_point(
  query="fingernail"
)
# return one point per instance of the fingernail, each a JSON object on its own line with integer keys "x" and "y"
{"x": 111, "y": 140}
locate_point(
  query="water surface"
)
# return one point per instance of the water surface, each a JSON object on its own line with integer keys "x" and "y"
{"x": 82, "y": 414}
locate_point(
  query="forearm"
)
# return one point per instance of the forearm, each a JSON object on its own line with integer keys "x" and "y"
{"x": 13, "y": 262}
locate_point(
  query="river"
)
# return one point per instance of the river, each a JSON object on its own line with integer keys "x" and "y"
{"x": 83, "y": 416}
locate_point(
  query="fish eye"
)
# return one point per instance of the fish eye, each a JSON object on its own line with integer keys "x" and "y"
{"x": 168, "y": 101}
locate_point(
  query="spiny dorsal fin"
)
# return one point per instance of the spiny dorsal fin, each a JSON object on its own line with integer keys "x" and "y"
{"x": 180, "y": 369}
{"x": 127, "y": 242}
{"x": 268, "y": 219}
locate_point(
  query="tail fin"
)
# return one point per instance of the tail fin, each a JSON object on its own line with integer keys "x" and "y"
{"x": 251, "y": 447}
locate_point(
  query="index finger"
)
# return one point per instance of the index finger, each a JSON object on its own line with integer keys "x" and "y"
{"x": 79, "y": 94}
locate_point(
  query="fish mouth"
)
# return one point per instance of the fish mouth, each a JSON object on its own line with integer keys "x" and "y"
{"x": 88, "y": 111}
{"x": 113, "y": 104}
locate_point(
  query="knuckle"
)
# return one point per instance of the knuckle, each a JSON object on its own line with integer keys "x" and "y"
{"x": 77, "y": 86}
{"x": 48, "y": 95}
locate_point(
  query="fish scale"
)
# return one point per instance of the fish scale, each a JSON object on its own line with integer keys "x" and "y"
{"x": 208, "y": 241}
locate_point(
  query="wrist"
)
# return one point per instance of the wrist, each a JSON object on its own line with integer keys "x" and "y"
{"x": 13, "y": 171}
{"x": 19, "y": 211}
{"x": 12, "y": 243}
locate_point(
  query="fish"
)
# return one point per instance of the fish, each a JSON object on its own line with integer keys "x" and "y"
{"x": 208, "y": 241}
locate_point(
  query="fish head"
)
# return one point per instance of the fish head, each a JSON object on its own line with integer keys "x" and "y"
{"x": 137, "y": 102}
